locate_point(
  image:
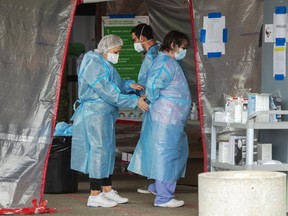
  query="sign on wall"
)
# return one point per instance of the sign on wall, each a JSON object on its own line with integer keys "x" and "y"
{"x": 213, "y": 36}
{"x": 129, "y": 60}
{"x": 280, "y": 34}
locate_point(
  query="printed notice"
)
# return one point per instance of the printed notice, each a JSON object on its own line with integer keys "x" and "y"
{"x": 279, "y": 61}
{"x": 279, "y": 25}
{"x": 214, "y": 35}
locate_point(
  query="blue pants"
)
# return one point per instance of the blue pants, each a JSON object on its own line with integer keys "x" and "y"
{"x": 164, "y": 191}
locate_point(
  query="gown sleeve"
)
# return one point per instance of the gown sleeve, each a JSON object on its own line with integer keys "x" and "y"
{"x": 160, "y": 77}
{"x": 98, "y": 76}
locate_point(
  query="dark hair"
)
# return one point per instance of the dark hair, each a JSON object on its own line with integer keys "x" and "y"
{"x": 175, "y": 37}
{"x": 146, "y": 30}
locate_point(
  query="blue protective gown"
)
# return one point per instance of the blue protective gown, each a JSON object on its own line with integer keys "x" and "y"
{"x": 162, "y": 150}
{"x": 146, "y": 64}
{"x": 99, "y": 92}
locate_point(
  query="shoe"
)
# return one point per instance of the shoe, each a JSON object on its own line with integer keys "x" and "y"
{"x": 113, "y": 195}
{"x": 173, "y": 203}
{"x": 144, "y": 190}
{"x": 100, "y": 201}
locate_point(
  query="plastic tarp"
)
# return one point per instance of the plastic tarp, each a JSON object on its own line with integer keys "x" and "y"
{"x": 34, "y": 37}
{"x": 174, "y": 15}
{"x": 237, "y": 72}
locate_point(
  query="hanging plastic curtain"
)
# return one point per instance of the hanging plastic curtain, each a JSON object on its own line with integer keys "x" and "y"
{"x": 235, "y": 73}
{"x": 34, "y": 37}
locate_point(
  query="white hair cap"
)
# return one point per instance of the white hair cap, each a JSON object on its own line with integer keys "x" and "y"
{"x": 109, "y": 42}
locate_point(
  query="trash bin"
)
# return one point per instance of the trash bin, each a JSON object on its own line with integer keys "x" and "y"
{"x": 242, "y": 193}
{"x": 59, "y": 177}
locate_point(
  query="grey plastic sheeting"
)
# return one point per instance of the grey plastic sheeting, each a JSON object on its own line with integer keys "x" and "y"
{"x": 236, "y": 73}
{"x": 33, "y": 37}
{"x": 174, "y": 15}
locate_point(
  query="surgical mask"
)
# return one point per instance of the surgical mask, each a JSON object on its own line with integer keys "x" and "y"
{"x": 113, "y": 58}
{"x": 180, "y": 54}
{"x": 138, "y": 47}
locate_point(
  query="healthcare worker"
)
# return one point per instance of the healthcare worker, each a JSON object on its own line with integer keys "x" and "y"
{"x": 162, "y": 150}
{"x": 100, "y": 92}
{"x": 142, "y": 36}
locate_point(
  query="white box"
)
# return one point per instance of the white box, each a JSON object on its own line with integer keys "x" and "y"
{"x": 222, "y": 117}
{"x": 224, "y": 152}
{"x": 264, "y": 151}
{"x": 124, "y": 156}
{"x": 258, "y": 102}
{"x": 130, "y": 156}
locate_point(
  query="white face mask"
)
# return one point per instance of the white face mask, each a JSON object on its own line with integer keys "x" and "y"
{"x": 113, "y": 58}
{"x": 138, "y": 47}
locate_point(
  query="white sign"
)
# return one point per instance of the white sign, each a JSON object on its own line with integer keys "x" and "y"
{"x": 279, "y": 25}
{"x": 279, "y": 60}
{"x": 214, "y": 35}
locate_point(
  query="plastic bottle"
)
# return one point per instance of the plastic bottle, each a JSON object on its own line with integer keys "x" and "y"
{"x": 278, "y": 101}
{"x": 237, "y": 110}
{"x": 244, "y": 110}
{"x": 229, "y": 109}
{"x": 194, "y": 112}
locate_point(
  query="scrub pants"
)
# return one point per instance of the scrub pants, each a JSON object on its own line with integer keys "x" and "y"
{"x": 164, "y": 191}
{"x": 96, "y": 184}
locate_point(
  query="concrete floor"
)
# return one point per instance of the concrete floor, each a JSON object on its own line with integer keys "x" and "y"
{"x": 126, "y": 185}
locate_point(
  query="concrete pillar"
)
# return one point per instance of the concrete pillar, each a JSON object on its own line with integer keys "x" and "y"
{"x": 242, "y": 193}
